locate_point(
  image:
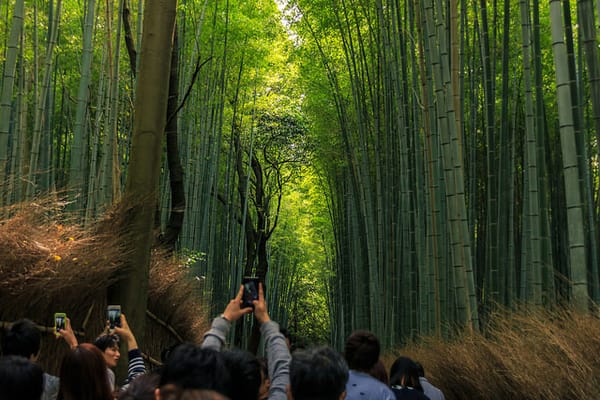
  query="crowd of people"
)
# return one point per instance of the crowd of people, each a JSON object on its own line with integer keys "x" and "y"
{"x": 209, "y": 370}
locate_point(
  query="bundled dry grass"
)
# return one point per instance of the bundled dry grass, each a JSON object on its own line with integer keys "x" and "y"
{"x": 176, "y": 299}
{"x": 529, "y": 355}
{"x": 48, "y": 264}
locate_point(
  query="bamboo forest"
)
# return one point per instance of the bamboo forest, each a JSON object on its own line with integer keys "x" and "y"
{"x": 406, "y": 167}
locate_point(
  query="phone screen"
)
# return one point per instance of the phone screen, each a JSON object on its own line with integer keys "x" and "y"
{"x": 59, "y": 321}
{"x": 114, "y": 316}
{"x": 250, "y": 291}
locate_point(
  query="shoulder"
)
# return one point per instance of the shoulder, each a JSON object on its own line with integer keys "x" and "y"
{"x": 364, "y": 383}
{"x": 50, "y": 380}
{"x": 432, "y": 392}
{"x": 51, "y": 386}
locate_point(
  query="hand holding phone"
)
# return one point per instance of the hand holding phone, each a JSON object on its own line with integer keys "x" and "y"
{"x": 113, "y": 313}
{"x": 234, "y": 309}
{"x": 60, "y": 321}
{"x": 261, "y": 311}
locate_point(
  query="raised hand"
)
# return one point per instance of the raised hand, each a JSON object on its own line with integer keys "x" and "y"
{"x": 260, "y": 306}
{"x": 68, "y": 335}
{"x": 234, "y": 311}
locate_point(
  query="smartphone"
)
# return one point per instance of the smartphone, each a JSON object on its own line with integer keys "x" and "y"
{"x": 60, "y": 322}
{"x": 250, "y": 291}
{"x": 113, "y": 313}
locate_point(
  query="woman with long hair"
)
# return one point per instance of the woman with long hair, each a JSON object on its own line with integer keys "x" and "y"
{"x": 83, "y": 375}
{"x": 404, "y": 380}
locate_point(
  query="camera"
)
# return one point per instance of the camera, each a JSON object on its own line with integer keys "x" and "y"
{"x": 60, "y": 322}
{"x": 114, "y": 316}
{"x": 250, "y": 284}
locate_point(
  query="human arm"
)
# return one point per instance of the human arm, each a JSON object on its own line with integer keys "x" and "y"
{"x": 135, "y": 364}
{"x": 124, "y": 332}
{"x": 215, "y": 338}
{"x": 68, "y": 335}
{"x": 278, "y": 354}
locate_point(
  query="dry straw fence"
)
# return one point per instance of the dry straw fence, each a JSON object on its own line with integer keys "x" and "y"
{"x": 48, "y": 266}
{"x": 549, "y": 355}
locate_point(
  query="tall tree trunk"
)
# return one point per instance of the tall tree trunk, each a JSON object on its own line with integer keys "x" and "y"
{"x": 175, "y": 222}
{"x": 141, "y": 188}
{"x": 129, "y": 42}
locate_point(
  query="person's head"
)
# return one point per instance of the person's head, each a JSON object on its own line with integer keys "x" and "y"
{"x": 420, "y": 369}
{"x": 288, "y": 337}
{"x": 165, "y": 353}
{"x": 362, "y": 350}
{"x": 109, "y": 346}
{"x": 404, "y": 372}
{"x": 83, "y": 375}
{"x": 191, "y": 367}
{"x": 142, "y": 387}
{"x": 378, "y": 372}
{"x": 172, "y": 392}
{"x": 20, "y": 378}
{"x": 318, "y": 373}
{"x": 22, "y": 339}
{"x": 244, "y": 370}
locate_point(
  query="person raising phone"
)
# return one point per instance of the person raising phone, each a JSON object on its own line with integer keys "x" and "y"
{"x": 23, "y": 338}
{"x": 108, "y": 343}
{"x": 278, "y": 354}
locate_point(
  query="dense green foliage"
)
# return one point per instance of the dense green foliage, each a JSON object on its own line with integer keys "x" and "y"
{"x": 397, "y": 166}
{"x": 461, "y": 155}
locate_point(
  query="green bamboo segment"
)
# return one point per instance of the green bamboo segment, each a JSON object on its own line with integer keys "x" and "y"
{"x": 6, "y": 95}
{"x": 585, "y": 13}
{"x": 576, "y": 239}
{"x": 533, "y": 240}
{"x": 78, "y": 159}
{"x": 42, "y": 100}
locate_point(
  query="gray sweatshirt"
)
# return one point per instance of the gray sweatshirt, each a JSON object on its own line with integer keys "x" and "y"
{"x": 278, "y": 354}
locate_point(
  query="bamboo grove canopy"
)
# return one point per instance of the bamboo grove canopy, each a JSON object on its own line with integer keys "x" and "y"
{"x": 400, "y": 166}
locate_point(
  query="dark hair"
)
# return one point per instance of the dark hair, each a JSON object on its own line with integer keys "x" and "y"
{"x": 420, "y": 369}
{"x": 21, "y": 339}
{"x": 264, "y": 366}
{"x": 378, "y": 372}
{"x": 285, "y": 333}
{"x": 165, "y": 353}
{"x": 106, "y": 341}
{"x": 318, "y": 373}
{"x": 171, "y": 392}
{"x": 191, "y": 367}
{"x": 362, "y": 350}
{"x": 405, "y": 369}
{"x": 244, "y": 370}
{"x": 141, "y": 388}
{"x": 20, "y": 378}
{"x": 83, "y": 375}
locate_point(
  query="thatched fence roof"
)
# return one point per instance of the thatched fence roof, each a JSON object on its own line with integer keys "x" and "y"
{"x": 49, "y": 265}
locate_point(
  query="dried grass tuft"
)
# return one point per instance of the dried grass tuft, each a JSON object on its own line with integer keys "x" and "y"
{"x": 49, "y": 264}
{"x": 528, "y": 355}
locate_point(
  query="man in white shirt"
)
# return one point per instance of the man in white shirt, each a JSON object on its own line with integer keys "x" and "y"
{"x": 362, "y": 353}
